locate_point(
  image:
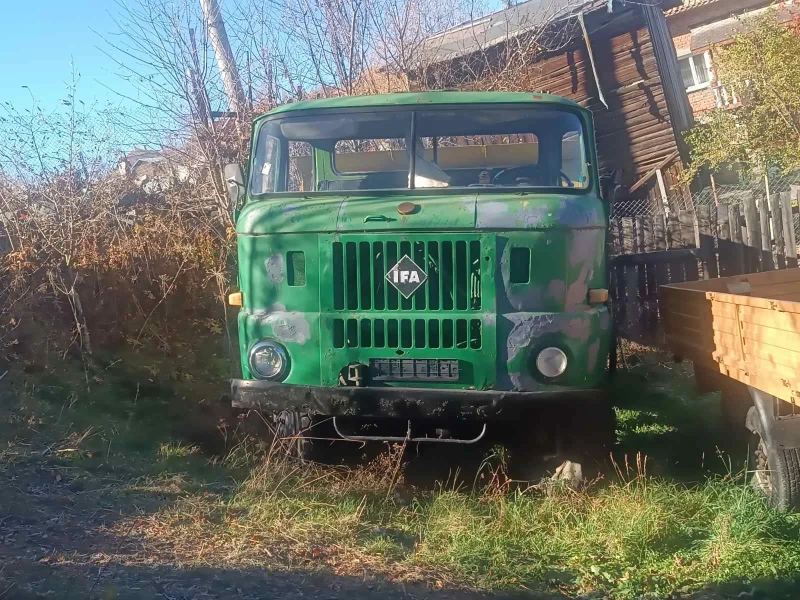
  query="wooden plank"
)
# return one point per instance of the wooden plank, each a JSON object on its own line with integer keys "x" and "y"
{"x": 755, "y": 280}
{"x": 758, "y": 280}
{"x": 778, "y": 253}
{"x": 777, "y": 289}
{"x": 653, "y": 172}
{"x": 723, "y": 216}
{"x": 639, "y": 224}
{"x": 706, "y": 235}
{"x": 613, "y": 232}
{"x": 767, "y": 263}
{"x": 628, "y": 241}
{"x": 753, "y": 235}
{"x": 788, "y": 229}
{"x": 734, "y": 222}
{"x": 788, "y": 297}
{"x": 686, "y": 219}
{"x": 765, "y": 318}
{"x": 659, "y": 232}
{"x": 674, "y": 232}
{"x": 647, "y": 234}
{"x": 663, "y": 189}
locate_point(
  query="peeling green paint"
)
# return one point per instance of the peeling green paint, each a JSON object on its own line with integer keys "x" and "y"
{"x": 564, "y": 232}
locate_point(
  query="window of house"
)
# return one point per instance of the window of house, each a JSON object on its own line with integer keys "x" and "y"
{"x": 696, "y": 71}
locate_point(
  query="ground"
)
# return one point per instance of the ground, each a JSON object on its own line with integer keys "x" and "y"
{"x": 119, "y": 484}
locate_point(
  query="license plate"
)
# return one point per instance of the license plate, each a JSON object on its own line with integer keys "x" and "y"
{"x": 413, "y": 369}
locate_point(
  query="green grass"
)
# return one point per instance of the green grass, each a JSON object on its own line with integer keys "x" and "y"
{"x": 673, "y": 515}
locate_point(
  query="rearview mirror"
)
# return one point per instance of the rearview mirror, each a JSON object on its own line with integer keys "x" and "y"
{"x": 234, "y": 181}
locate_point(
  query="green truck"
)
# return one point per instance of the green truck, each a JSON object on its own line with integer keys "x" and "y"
{"x": 428, "y": 267}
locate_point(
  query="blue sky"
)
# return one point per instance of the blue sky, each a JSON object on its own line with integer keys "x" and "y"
{"x": 39, "y": 39}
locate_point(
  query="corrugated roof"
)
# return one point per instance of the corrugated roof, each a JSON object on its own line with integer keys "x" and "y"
{"x": 500, "y": 26}
{"x": 688, "y": 5}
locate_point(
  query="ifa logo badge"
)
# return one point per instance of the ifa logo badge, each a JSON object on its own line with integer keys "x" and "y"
{"x": 406, "y": 276}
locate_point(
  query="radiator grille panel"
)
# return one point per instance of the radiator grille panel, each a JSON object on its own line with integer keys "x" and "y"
{"x": 407, "y": 333}
{"x": 453, "y": 269}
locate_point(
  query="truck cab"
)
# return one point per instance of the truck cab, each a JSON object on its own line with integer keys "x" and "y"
{"x": 423, "y": 258}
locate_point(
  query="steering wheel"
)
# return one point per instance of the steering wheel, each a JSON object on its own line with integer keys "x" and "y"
{"x": 528, "y": 172}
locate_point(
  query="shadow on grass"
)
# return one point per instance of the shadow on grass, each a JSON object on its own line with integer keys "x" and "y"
{"x": 661, "y": 416}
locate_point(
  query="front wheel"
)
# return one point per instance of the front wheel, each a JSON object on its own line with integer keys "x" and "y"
{"x": 293, "y": 430}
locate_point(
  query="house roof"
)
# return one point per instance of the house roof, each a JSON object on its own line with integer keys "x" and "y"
{"x": 687, "y": 5}
{"x": 500, "y": 26}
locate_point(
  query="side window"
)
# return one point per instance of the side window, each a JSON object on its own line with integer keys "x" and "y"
{"x": 263, "y": 179}
{"x": 370, "y": 156}
{"x": 301, "y": 168}
{"x": 573, "y": 160}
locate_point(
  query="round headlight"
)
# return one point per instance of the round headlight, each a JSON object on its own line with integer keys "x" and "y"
{"x": 268, "y": 360}
{"x": 551, "y": 362}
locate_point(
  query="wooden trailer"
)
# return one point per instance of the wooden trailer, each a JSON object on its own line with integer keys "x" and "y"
{"x": 743, "y": 335}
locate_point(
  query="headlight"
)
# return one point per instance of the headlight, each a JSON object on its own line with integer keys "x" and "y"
{"x": 551, "y": 362}
{"x": 268, "y": 360}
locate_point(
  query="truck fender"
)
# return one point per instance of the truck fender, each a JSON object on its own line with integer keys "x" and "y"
{"x": 777, "y": 432}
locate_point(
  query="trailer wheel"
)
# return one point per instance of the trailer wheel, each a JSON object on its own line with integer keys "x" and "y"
{"x": 777, "y": 475}
{"x": 294, "y": 429}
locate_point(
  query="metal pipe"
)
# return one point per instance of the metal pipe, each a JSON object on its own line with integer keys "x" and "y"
{"x": 407, "y": 438}
{"x": 412, "y": 169}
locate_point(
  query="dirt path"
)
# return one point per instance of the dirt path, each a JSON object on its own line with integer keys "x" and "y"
{"x": 57, "y": 540}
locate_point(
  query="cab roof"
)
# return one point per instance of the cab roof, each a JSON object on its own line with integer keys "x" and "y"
{"x": 423, "y": 98}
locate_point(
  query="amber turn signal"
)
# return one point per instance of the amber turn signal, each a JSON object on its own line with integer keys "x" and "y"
{"x": 235, "y": 299}
{"x": 598, "y": 296}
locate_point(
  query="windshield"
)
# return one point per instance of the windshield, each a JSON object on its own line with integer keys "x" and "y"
{"x": 488, "y": 148}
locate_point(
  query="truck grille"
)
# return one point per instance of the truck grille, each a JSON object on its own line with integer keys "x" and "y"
{"x": 453, "y": 269}
{"x": 407, "y": 333}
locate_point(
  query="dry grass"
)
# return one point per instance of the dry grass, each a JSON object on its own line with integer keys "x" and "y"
{"x": 629, "y": 536}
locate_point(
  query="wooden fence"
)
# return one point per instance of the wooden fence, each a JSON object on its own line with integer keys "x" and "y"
{"x": 686, "y": 245}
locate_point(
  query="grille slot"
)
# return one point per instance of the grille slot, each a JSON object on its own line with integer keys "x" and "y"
{"x": 453, "y": 269}
{"x": 460, "y": 334}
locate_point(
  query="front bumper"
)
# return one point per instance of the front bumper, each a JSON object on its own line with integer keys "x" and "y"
{"x": 398, "y": 402}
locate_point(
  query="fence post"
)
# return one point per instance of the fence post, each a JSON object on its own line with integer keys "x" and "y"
{"x": 709, "y": 261}
{"x": 767, "y": 264}
{"x": 753, "y": 234}
{"x": 686, "y": 219}
{"x": 674, "y": 232}
{"x": 777, "y": 230}
{"x": 659, "y": 231}
{"x": 727, "y": 249}
{"x": 735, "y": 223}
{"x": 639, "y": 221}
{"x": 628, "y": 241}
{"x": 788, "y": 229}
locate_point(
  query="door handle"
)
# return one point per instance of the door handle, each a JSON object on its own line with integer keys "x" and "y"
{"x": 378, "y": 218}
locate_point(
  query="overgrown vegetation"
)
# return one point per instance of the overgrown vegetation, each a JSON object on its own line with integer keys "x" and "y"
{"x": 679, "y": 519}
{"x": 762, "y": 65}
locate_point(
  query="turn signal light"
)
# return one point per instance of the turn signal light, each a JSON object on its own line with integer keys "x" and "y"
{"x": 598, "y": 296}
{"x": 235, "y": 299}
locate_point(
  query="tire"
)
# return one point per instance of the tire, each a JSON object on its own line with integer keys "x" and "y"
{"x": 777, "y": 475}
{"x": 294, "y": 429}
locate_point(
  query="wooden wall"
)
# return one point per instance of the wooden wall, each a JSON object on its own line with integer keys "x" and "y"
{"x": 634, "y": 133}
